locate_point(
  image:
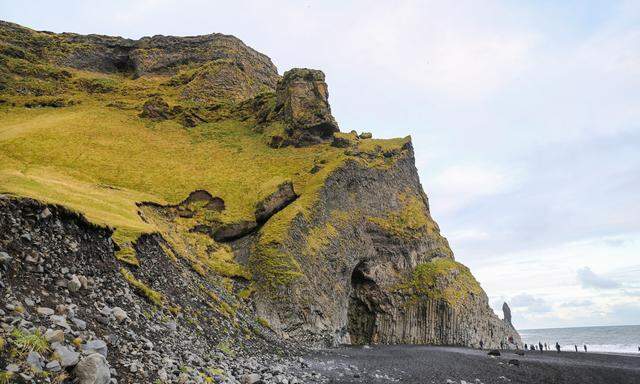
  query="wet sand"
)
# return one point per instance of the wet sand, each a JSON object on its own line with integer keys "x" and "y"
{"x": 431, "y": 364}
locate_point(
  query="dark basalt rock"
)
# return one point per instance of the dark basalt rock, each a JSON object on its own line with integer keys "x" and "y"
{"x": 201, "y": 196}
{"x": 302, "y": 103}
{"x": 341, "y": 142}
{"x": 229, "y": 232}
{"x": 493, "y": 352}
{"x": 225, "y": 67}
{"x": 156, "y": 109}
{"x": 275, "y": 202}
{"x": 506, "y": 311}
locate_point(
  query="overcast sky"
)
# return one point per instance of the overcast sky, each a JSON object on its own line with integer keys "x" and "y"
{"x": 525, "y": 118}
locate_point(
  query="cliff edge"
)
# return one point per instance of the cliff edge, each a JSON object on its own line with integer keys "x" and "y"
{"x": 184, "y": 182}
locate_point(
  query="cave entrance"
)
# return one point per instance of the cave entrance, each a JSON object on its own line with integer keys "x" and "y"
{"x": 361, "y": 315}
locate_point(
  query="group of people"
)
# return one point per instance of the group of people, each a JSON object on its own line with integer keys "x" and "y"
{"x": 544, "y": 347}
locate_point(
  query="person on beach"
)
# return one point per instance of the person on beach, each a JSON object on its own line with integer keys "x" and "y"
{"x": 481, "y": 344}
{"x": 526, "y": 347}
{"x": 546, "y": 347}
{"x": 585, "y": 347}
{"x": 576, "y": 345}
{"x": 540, "y": 345}
{"x": 557, "y": 347}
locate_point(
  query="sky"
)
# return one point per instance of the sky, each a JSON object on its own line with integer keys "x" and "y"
{"x": 525, "y": 119}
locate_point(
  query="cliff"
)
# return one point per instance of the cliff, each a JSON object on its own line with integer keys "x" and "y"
{"x": 189, "y": 184}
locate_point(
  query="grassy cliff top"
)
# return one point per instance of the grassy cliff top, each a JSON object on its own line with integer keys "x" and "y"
{"x": 100, "y": 125}
{"x": 97, "y": 156}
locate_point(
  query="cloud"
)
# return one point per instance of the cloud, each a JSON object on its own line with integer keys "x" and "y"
{"x": 577, "y": 303}
{"x": 418, "y": 45}
{"x": 471, "y": 234}
{"x": 460, "y": 185}
{"x": 588, "y": 279}
{"x": 532, "y": 304}
{"x": 626, "y": 313}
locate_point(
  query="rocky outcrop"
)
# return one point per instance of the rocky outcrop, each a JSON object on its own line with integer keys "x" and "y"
{"x": 506, "y": 311}
{"x": 302, "y": 102}
{"x": 376, "y": 241}
{"x": 275, "y": 202}
{"x": 156, "y": 108}
{"x": 210, "y": 67}
{"x": 354, "y": 258}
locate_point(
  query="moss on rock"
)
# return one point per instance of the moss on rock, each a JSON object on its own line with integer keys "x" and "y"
{"x": 441, "y": 278}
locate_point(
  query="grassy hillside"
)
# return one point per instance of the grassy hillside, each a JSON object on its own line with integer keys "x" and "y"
{"x": 78, "y": 138}
{"x": 101, "y": 160}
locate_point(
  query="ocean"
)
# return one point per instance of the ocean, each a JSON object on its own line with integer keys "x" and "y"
{"x": 616, "y": 339}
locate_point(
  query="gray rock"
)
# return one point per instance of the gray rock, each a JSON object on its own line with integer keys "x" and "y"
{"x": 74, "y": 284}
{"x": 45, "y": 311}
{"x": 54, "y": 336}
{"x": 67, "y": 357}
{"x": 45, "y": 213}
{"x": 119, "y": 314}
{"x": 250, "y": 378}
{"x": 35, "y": 361}
{"x": 14, "y": 368}
{"x": 54, "y": 366}
{"x": 84, "y": 283}
{"x": 276, "y": 201}
{"x": 95, "y": 346}
{"x": 93, "y": 369}
{"x": 162, "y": 375}
{"x": 80, "y": 324}
{"x": 302, "y": 102}
{"x": 5, "y": 259}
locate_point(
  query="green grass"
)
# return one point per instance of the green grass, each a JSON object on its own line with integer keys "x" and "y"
{"x": 127, "y": 255}
{"x": 99, "y": 158}
{"x": 26, "y": 342}
{"x": 6, "y": 377}
{"x": 225, "y": 348}
{"x": 411, "y": 220}
{"x": 441, "y": 278}
{"x": 153, "y": 296}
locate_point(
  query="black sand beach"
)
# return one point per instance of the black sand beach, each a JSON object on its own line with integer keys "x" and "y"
{"x": 429, "y": 364}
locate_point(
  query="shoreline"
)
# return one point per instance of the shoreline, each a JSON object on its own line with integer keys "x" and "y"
{"x": 442, "y": 364}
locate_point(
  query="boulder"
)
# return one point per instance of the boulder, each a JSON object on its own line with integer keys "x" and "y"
{"x": 35, "y": 361}
{"x": 5, "y": 259}
{"x": 66, "y": 356}
{"x": 365, "y": 135}
{"x": 74, "y": 284}
{"x": 203, "y": 197}
{"x": 95, "y": 346}
{"x": 119, "y": 314}
{"x": 251, "y": 378}
{"x": 45, "y": 311}
{"x": 302, "y": 103}
{"x": 275, "y": 202}
{"x": 341, "y": 142}
{"x": 493, "y": 352}
{"x": 93, "y": 369}
{"x": 54, "y": 336}
{"x": 156, "y": 108}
